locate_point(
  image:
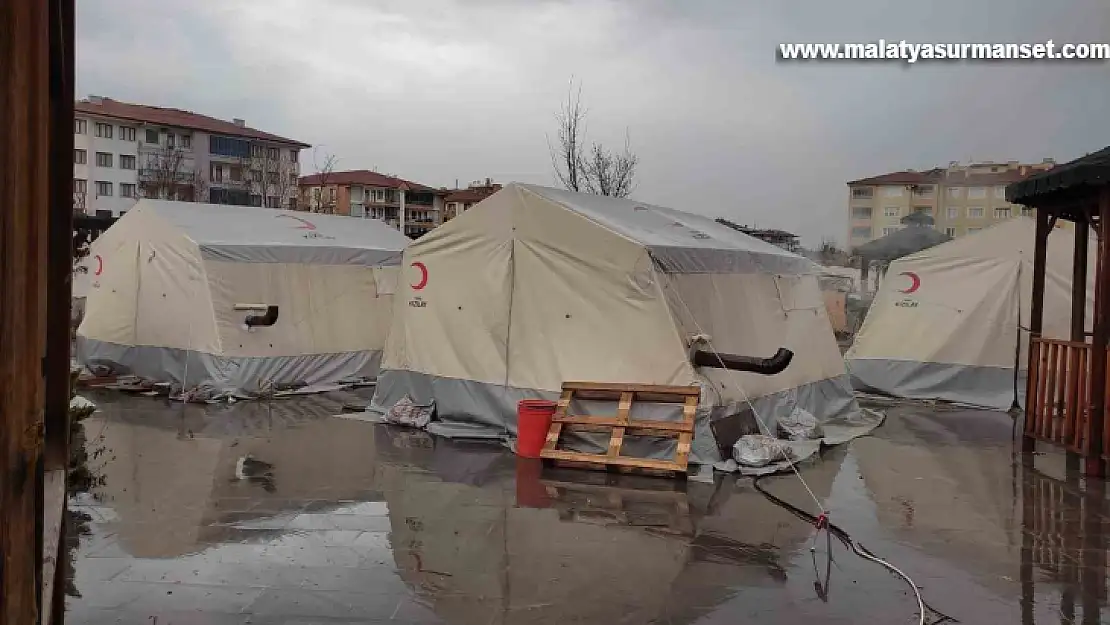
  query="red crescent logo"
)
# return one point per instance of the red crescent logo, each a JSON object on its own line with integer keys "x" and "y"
{"x": 914, "y": 279}
{"x": 99, "y": 265}
{"x": 307, "y": 225}
{"x": 423, "y": 276}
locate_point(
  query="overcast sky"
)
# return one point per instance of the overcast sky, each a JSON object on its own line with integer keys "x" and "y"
{"x": 439, "y": 90}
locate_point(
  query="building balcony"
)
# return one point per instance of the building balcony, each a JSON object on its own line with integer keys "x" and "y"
{"x": 149, "y": 174}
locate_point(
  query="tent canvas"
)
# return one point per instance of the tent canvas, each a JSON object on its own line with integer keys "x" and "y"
{"x": 536, "y": 286}
{"x": 170, "y": 280}
{"x": 946, "y": 322}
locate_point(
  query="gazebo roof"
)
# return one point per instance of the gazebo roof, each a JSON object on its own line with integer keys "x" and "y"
{"x": 1092, "y": 170}
{"x": 904, "y": 241}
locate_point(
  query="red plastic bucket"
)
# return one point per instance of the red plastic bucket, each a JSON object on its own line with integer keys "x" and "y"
{"x": 533, "y": 419}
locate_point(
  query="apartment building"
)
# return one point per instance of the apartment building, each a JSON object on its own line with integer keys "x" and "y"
{"x": 960, "y": 198}
{"x": 458, "y": 201}
{"x": 408, "y": 206}
{"x": 125, "y": 151}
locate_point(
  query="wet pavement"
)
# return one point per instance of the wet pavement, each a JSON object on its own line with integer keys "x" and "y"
{"x": 280, "y": 513}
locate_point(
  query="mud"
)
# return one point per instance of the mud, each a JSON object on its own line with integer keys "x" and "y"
{"x": 279, "y": 513}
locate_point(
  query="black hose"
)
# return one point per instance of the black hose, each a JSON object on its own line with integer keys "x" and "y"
{"x": 763, "y": 366}
{"x": 848, "y": 542}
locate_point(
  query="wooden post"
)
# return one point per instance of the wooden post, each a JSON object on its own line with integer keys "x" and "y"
{"x": 24, "y": 212}
{"x": 1078, "y": 314}
{"x": 1094, "y": 465}
{"x": 1036, "y": 318}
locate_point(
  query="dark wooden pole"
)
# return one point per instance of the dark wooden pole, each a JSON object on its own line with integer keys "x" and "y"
{"x": 1078, "y": 309}
{"x": 1036, "y": 315}
{"x": 1094, "y": 465}
{"x": 24, "y": 213}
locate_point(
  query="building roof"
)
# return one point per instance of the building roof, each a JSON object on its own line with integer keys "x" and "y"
{"x": 107, "y": 107}
{"x": 955, "y": 177}
{"x": 367, "y": 178}
{"x": 259, "y": 235}
{"x": 1092, "y": 170}
{"x": 470, "y": 195}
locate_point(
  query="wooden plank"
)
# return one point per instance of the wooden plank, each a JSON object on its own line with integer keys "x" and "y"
{"x": 682, "y": 452}
{"x": 1031, "y": 386}
{"x": 552, "y": 440}
{"x": 563, "y": 405}
{"x": 1084, "y": 404}
{"x": 1071, "y": 400}
{"x": 606, "y": 429}
{"x": 1042, "y": 393}
{"x": 1056, "y": 366}
{"x": 25, "y": 148}
{"x": 690, "y": 411}
{"x": 621, "y": 461}
{"x": 616, "y": 439}
{"x": 54, "y": 500}
{"x": 662, "y": 389}
{"x": 636, "y": 424}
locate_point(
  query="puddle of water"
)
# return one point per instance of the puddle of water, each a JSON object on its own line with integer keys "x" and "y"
{"x": 276, "y": 513}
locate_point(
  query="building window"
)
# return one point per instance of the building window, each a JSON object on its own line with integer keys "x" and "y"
{"x": 236, "y": 173}
{"x": 272, "y": 177}
{"x": 975, "y": 212}
{"x": 104, "y": 131}
{"x": 889, "y": 211}
{"x": 292, "y": 156}
{"x": 953, "y": 212}
{"x": 127, "y": 190}
{"x": 924, "y": 210}
{"x": 126, "y": 161}
{"x": 217, "y": 173}
{"x": 1026, "y": 211}
{"x": 101, "y": 212}
{"x": 863, "y": 193}
{"x": 1000, "y": 192}
{"x": 293, "y": 179}
{"x": 272, "y": 201}
{"x": 357, "y": 210}
{"x": 103, "y": 189}
{"x": 80, "y": 157}
{"x": 273, "y": 154}
{"x": 103, "y": 159}
{"x": 256, "y": 175}
{"x": 256, "y": 200}
{"x": 293, "y": 203}
{"x": 1002, "y": 213}
{"x": 892, "y": 191}
{"x": 80, "y": 126}
{"x": 923, "y": 190}
{"x": 169, "y": 140}
{"x": 973, "y": 230}
{"x": 256, "y": 151}
{"x": 126, "y": 133}
{"x": 950, "y": 232}
{"x": 228, "y": 146}
{"x": 152, "y": 136}
{"x": 80, "y": 185}
{"x": 954, "y": 191}
{"x": 187, "y": 141}
{"x": 890, "y": 230}
{"x": 976, "y": 193}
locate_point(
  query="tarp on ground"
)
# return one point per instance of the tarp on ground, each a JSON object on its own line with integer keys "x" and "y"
{"x": 169, "y": 282}
{"x": 946, "y": 322}
{"x": 536, "y": 286}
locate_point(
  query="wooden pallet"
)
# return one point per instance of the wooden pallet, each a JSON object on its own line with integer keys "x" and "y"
{"x": 621, "y": 424}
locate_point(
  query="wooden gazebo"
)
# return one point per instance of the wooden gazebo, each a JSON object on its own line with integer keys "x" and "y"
{"x": 1066, "y": 397}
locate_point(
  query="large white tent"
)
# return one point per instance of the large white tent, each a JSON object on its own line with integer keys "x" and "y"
{"x": 536, "y": 286}
{"x": 946, "y": 322}
{"x": 172, "y": 284}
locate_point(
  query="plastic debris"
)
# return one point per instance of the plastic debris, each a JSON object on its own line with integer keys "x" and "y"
{"x": 758, "y": 450}
{"x": 409, "y": 413}
{"x": 799, "y": 425}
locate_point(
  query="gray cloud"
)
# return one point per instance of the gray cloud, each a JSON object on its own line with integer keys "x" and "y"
{"x": 439, "y": 90}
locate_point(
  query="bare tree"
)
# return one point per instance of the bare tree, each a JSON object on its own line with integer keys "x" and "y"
{"x": 322, "y": 200}
{"x": 165, "y": 176}
{"x": 270, "y": 174}
{"x": 598, "y": 170}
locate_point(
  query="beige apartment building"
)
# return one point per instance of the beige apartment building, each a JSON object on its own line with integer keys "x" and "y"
{"x": 960, "y": 198}
{"x": 408, "y": 206}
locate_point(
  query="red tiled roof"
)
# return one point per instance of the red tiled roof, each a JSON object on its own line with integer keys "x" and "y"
{"x": 954, "y": 177}
{"x": 175, "y": 117}
{"x": 367, "y": 178}
{"x": 469, "y": 195}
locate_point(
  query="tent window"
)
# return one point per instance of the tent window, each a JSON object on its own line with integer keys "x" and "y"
{"x": 798, "y": 293}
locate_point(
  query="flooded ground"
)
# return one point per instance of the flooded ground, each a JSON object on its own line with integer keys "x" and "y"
{"x": 279, "y": 513}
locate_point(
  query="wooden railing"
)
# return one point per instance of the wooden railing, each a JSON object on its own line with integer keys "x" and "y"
{"x": 1059, "y": 403}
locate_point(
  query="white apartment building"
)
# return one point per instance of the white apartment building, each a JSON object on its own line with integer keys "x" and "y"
{"x": 125, "y": 151}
